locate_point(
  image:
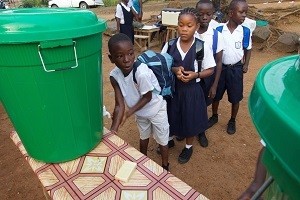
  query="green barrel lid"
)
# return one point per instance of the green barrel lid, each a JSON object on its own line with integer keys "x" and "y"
{"x": 41, "y": 24}
{"x": 274, "y": 106}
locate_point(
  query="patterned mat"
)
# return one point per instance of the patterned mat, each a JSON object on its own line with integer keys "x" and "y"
{"x": 92, "y": 175}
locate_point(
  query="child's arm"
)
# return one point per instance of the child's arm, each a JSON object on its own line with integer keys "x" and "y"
{"x": 259, "y": 179}
{"x": 118, "y": 16}
{"x": 141, "y": 10}
{"x": 213, "y": 89}
{"x": 178, "y": 71}
{"x": 119, "y": 106}
{"x": 247, "y": 54}
{"x": 140, "y": 104}
{"x": 118, "y": 24}
{"x": 190, "y": 75}
{"x": 135, "y": 14}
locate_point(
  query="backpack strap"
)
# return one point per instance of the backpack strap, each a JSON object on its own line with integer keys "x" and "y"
{"x": 136, "y": 64}
{"x": 199, "y": 52}
{"x": 246, "y": 38}
{"x": 215, "y": 41}
{"x": 170, "y": 43}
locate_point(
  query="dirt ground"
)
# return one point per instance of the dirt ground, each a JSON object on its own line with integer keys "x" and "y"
{"x": 221, "y": 171}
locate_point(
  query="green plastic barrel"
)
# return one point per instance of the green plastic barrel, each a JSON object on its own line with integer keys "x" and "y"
{"x": 274, "y": 105}
{"x": 50, "y": 80}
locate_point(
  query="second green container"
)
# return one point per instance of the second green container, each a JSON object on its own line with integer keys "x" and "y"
{"x": 50, "y": 80}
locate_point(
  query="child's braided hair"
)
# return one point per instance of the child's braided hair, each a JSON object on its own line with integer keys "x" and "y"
{"x": 191, "y": 11}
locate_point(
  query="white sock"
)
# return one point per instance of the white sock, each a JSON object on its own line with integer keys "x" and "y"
{"x": 171, "y": 138}
{"x": 188, "y": 146}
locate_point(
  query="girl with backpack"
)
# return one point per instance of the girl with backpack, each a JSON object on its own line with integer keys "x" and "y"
{"x": 187, "y": 111}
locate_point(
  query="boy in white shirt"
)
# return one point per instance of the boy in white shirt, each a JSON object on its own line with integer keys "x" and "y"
{"x": 235, "y": 59}
{"x": 149, "y": 107}
{"x": 213, "y": 41}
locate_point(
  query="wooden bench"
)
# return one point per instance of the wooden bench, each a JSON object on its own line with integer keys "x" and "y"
{"x": 141, "y": 41}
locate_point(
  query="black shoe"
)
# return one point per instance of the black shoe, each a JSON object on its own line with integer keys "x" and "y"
{"x": 202, "y": 140}
{"x": 166, "y": 167}
{"x": 185, "y": 155}
{"x": 212, "y": 120}
{"x": 231, "y": 129}
{"x": 171, "y": 144}
{"x": 179, "y": 138}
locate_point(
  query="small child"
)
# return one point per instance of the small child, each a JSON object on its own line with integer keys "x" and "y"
{"x": 124, "y": 18}
{"x": 138, "y": 6}
{"x": 235, "y": 62}
{"x": 187, "y": 109}
{"x": 148, "y": 107}
{"x": 213, "y": 40}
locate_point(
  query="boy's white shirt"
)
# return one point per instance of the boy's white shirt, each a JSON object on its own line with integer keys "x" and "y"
{"x": 132, "y": 92}
{"x": 233, "y": 45}
{"x": 214, "y": 24}
{"x": 208, "y": 59}
{"x": 249, "y": 23}
{"x": 119, "y": 11}
{"x": 207, "y": 37}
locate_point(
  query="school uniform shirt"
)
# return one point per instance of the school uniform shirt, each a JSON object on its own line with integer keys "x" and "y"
{"x": 133, "y": 92}
{"x": 214, "y": 24}
{"x": 207, "y": 37}
{"x": 249, "y": 23}
{"x": 119, "y": 12}
{"x": 208, "y": 59}
{"x": 233, "y": 45}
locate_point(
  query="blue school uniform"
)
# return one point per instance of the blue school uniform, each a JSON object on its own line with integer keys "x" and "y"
{"x": 187, "y": 110}
{"x": 127, "y": 27}
{"x": 231, "y": 78}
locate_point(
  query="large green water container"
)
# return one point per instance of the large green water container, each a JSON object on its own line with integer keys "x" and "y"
{"x": 50, "y": 80}
{"x": 274, "y": 105}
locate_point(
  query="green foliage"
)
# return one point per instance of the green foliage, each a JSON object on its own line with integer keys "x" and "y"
{"x": 34, "y": 3}
{"x": 108, "y": 3}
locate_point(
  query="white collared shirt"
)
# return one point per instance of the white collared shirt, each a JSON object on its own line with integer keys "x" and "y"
{"x": 207, "y": 37}
{"x": 233, "y": 45}
{"x": 133, "y": 92}
{"x": 208, "y": 59}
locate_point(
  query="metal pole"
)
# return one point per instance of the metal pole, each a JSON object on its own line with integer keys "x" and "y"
{"x": 261, "y": 190}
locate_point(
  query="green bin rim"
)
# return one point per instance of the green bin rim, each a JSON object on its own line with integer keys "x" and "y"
{"x": 266, "y": 96}
{"x": 45, "y": 24}
{"x": 282, "y": 116}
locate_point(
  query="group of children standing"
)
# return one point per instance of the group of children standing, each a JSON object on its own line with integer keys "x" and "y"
{"x": 202, "y": 75}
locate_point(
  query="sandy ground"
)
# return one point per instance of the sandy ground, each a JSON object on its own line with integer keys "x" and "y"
{"x": 221, "y": 171}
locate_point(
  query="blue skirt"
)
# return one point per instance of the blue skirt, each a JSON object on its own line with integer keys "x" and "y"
{"x": 187, "y": 111}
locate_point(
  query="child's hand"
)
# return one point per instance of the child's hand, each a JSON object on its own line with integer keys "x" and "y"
{"x": 179, "y": 72}
{"x": 245, "y": 68}
{"x": 212, "y": 91}
{"x": 114, "y": 132}
{"x": 125, "y": 116}
{"x": 188, "y": 76}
